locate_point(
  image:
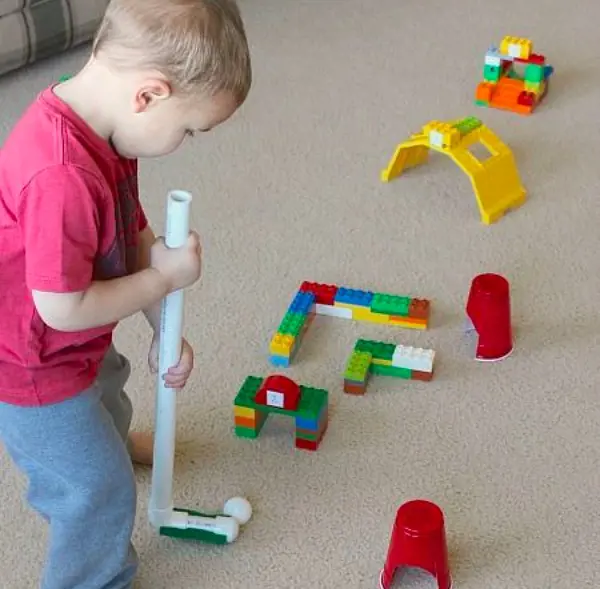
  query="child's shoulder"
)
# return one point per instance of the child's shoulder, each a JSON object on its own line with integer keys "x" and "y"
{"x": 50, "y": 134}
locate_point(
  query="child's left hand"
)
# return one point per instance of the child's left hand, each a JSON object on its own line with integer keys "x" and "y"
{"x": 177, "y": 376}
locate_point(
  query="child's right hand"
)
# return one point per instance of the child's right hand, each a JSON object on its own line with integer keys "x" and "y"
{"x": 180, "y": 267}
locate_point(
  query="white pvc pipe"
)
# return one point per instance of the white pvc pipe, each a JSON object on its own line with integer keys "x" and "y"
{"x": 171, "y": 326}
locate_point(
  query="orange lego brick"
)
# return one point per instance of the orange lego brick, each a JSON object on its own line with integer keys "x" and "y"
{"x": 484, "y": 91}
{"x": 423, "y": 376}
{"x": 408, "y": 320}
{"x": 248, "y": 422}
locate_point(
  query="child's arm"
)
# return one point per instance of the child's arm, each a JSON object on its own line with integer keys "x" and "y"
{"x": 104, "y": 302}
{"x": 59, "y": 214}
{"x": 108, "y": 301}
{"x": 146, "y": 239}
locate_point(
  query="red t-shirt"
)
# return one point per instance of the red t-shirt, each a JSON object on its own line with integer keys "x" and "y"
{"x": 69, "y": 215}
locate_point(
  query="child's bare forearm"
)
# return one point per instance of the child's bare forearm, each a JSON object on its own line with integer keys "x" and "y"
{"x": 105, "y": 302}
{"x": 152, "y": 312}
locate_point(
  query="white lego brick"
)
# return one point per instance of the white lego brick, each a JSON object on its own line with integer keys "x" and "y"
{"x": 275, "y": 399}
{"x": 436, "y": 139}
{"x": 493, "y": 60}
{"x": 341, "y": 312}
{"x": 413, "y": 358}
{"x": 514, "y": 50}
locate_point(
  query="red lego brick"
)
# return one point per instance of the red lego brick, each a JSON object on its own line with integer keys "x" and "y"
{"x": 526, "y": 99}
{"x": 278, "y": 383}
{"x": 418, "y": 375}
{"x": 419, "y": 309}
{"x": 311, "y": 445}
{"x": 303, "y": 444}
{"x": 354, "y": 389}
{"x": 324, "y": 293}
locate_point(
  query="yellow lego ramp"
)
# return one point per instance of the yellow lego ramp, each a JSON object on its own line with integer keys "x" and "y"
{"x": 495, "y": 181}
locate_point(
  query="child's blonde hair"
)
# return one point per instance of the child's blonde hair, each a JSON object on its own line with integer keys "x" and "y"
{"x": 196, "y": 44}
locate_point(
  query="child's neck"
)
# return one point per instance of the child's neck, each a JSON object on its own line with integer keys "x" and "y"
{"x": 92, "y": 94}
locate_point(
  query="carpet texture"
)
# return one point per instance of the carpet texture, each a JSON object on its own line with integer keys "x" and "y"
{"x": 289, "y": 190}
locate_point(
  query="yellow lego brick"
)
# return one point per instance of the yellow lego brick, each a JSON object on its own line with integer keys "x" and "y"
{"x": 381, "y": 362}
{"x": 281, "y": 345}
{"x": 442, "y": 135}
{"x": 364, "y": 314}
{"x": 244, "y": 412}
{"x": 516, "y": 47}
{"x": 408, "y": 324}
{"x": 350, "y": 306}
{"x": 535, "y": 87}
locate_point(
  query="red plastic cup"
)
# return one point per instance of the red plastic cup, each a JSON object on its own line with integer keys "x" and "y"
{"x": 488, "y": 308}
{"x": 418, "y": 540}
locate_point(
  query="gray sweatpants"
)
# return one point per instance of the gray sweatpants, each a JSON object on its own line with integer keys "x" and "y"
{"x": 81, "y": 480}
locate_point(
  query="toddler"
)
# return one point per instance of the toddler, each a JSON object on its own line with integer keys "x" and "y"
{"x": 77, "y": 256}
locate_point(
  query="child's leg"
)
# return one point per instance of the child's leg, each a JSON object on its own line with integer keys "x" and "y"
{"x": 81, "y": 481}
{"x": 112, "y": 378}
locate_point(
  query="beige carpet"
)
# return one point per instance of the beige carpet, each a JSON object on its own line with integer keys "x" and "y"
{"x": 290, "y": 190}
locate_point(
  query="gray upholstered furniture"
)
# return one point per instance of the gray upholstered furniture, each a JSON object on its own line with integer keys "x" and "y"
{"x": 33, "y": 29}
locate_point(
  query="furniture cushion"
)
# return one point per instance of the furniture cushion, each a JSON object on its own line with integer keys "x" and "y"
{"x": 34, "y": 29}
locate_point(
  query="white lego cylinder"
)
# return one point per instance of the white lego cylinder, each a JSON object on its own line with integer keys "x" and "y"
{"x": 171, "y": 326}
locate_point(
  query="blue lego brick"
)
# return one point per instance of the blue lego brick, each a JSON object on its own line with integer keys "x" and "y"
{"x": 302, "y": 303}
{"x": 283, "y": 361}
{"x": 352, "y": 296}
{"x": 310, "y": 424}
{"x": 495, "y": 52}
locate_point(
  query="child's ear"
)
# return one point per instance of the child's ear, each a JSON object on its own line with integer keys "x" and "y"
{"x": 151, "y": 92}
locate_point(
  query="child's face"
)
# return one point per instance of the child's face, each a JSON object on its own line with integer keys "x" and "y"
{"x": 160, "y": 121}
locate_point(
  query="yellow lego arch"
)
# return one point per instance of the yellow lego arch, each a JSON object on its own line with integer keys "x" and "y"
{"x": 495, "y": 181}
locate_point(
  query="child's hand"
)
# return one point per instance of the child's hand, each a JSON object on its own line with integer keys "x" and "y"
{"x": 177, "y": 376}
{"x": 180, "y": 267}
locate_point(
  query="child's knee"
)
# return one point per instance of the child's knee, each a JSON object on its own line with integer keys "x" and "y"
{"x": 109, "y": 488}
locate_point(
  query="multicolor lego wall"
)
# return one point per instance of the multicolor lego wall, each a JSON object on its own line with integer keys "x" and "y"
{"x": 338, "y": 301}
{"x": 503, "y": 87}
{"x": 311, "y": 414}
{"x": 372, "y": 357}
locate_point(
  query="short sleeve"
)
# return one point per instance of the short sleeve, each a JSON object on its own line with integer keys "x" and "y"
{"x": 59, "y": 220}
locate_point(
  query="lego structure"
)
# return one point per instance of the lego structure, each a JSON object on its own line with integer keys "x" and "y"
{"x": 372, "y": 357}
{"x": 503, "y": 87}
{"x": 258, "y": 397}
{"x": 495, "y": 181}
{"x": 326, "y": 299}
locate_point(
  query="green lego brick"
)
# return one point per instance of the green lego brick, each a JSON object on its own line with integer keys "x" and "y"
{"x": 311, "y": 400}
{"x": 292, "y": 324}
{"x": 534, "y": 73}
{"x": 491, "y": 73}
{"x": 481, "y": 103}
{"x": 357, "y": 369}
{"x": 304, "y": 435}
{"x": 378, "y": 350}
{"x": 247, "y": 392}
{"x": 246, "y": 432}
{"x": 390, "y": 304}
{"x": 466, "y": 126}
{"x": 391, "y": 371}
